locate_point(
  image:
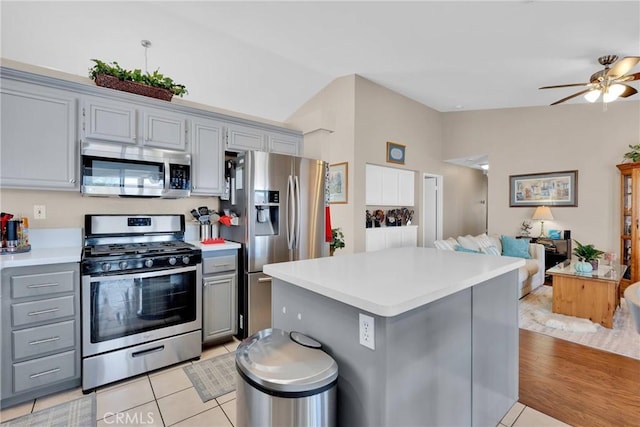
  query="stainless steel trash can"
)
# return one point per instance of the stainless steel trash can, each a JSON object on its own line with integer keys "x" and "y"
{"x": 285, "y": 379}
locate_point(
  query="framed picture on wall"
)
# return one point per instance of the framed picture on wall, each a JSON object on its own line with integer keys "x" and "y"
{"x": 548, "y": 189}
{"x": 395, "y": 153}
{"x": 338, "y": 182}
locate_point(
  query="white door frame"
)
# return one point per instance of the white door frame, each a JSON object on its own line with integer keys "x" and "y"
{"x": 428, "y": 209}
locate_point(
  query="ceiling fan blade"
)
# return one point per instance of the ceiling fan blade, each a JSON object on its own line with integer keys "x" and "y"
{"x": 572, "y": 96}
{"x": 567, "y": 85}
{"x": 629, "y": 78}
{"x": 628, "y": 91}
{"x": 623, "y": 66}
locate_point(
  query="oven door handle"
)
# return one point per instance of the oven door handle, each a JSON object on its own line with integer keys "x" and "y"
{"x": 155, "y": 273}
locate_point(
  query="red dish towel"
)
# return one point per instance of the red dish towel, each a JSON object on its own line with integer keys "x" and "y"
{"x": 327, "y": 230}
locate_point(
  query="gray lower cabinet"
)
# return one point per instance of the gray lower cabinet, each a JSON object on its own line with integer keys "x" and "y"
{"x": 40, "y": 331}
{"x": 219, "y": 295}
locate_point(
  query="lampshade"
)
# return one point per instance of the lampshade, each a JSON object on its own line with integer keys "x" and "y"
{"x": 613, "y": 92}
{"x": 592, "y": 96}
{"x": 542, "y": 213}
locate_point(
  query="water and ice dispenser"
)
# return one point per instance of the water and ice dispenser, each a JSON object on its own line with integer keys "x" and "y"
{"x": 266, "y": 214}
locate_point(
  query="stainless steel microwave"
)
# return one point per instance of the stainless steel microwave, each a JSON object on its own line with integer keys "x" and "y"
{"x": 133, "y": 171}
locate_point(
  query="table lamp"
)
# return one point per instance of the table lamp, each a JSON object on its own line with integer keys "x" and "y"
{"x": 542, "y": 213}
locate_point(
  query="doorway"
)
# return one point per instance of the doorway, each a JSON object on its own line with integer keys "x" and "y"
{"x": 431, "y": 209}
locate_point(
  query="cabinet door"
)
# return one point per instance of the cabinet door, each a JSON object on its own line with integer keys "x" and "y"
{"x": 390, "y": 186}
{"x": 106, "y": 120}
{"x": 373, "y": 185}
{"x": 409, "y": 235}
{"x": 38, "y": 129}
{"x": 219, "y": 306}
{"x": 284, "y": 144}
{"x": 207, "y": 157}
{"x": 375, "y": 239}
{"x": 245, "y": 138}
{"x": 405, "y": 187}
{"x": 164, "y": 129}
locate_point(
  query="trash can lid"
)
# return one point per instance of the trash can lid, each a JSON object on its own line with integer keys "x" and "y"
{"x": 285, "y": 362}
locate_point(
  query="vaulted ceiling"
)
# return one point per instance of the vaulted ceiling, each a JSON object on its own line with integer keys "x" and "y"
{"x": 267, "y": 58}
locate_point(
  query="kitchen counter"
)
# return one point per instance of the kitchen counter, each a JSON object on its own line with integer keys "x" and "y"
{"x": 391, "y": 282}
{"x": 438, "y": 343}
{"x": 41, "y": 256}
{"x": 216, "y": 246}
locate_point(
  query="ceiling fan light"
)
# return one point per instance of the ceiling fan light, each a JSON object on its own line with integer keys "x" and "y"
{"x": 593, "y": 95}
{"x": 613, "y": 92}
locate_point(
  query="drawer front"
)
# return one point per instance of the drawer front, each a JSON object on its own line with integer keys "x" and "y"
{"x": 43, "y": 339}
{"x": 43, "y": 371}
{"x": 26, "y": 313}
{"x": 30, "y": 285}
{"x": 219, "y": 264}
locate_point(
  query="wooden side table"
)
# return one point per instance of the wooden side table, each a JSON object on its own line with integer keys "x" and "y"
{"x": 592, "y": 296}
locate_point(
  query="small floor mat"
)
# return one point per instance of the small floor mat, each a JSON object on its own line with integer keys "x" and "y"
{"x": 213, "y": 377}
{"x": 76, "y": 413}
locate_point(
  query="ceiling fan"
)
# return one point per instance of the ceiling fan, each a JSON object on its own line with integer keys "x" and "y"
{"x": 610, "y": 82}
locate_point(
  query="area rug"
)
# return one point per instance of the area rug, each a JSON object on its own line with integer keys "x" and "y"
{"x": 213, "y": 377}
{"x": 536, "y": 316}
{"x": 76, "y": 413}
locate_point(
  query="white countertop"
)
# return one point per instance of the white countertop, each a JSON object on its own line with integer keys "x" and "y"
{"x": 216, "y": 246}
{"x": 42, "y": 256}
{"x": 393, "y": 281}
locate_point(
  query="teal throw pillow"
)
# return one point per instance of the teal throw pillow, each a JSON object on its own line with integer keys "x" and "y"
{"x": 515, "y": 247}
{"x": 463, "y": 249}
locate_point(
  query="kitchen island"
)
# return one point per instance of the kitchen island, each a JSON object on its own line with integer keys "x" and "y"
{"x": 444, "y": 329}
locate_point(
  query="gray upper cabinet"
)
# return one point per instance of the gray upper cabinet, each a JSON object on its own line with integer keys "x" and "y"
{"x": 106, "y": 120}
{"x": 245, "y": 138}
{"x": 207, "y": 156}
{"x": 38, "y": 129}
{"x": 115, "y": 121}
{"x": 284, "y": 144}
{"x": 164, "y": 129}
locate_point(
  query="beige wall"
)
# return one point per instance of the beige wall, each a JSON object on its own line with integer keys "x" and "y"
{"x": 465, "y": 190}
{"x": 67, "y": 209}
{"x": 579, "y": 137}
{"x": 327, "y": 121}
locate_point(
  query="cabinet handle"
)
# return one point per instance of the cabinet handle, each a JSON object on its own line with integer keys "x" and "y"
{"x": 36, "y": 313}
{"x": 222, "y": 265}
{"x": 44, "y": 341}
{"x": 43, "y": 285}
{"x": 72, "y": 181}
{"x": 51, "y": 371}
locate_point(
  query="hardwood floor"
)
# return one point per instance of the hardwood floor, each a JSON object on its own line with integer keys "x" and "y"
{"x": 578, "y": 385}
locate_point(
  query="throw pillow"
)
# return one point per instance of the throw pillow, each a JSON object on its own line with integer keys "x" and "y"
{"x": 468, "y": 242}
{"x": 483, "y": 241}
{"x": 515, "y": 247}
{"x": 491, "y": 250}
{"x": 447, "y": 245}
{"x": 463, "y": 249}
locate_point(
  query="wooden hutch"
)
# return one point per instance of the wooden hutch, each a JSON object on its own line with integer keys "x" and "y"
{"x": 630, "y": 222}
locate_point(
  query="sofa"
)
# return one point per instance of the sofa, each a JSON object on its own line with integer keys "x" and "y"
{"x": 530, "y": 276}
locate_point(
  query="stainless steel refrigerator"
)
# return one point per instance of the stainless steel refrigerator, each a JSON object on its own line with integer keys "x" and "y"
{"x": 280, "y": 204}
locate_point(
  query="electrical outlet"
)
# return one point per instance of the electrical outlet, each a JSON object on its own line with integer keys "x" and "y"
{"x": 39, "y": 212}
{"x": 367, "y": 331}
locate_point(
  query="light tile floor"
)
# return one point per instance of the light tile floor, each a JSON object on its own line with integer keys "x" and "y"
{"x": 167, "y": 398}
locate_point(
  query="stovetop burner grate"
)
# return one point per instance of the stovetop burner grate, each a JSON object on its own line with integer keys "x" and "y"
{"x": 139, "y": 248}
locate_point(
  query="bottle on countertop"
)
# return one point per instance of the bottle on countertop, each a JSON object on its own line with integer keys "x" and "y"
{"x": 24, "y": 237}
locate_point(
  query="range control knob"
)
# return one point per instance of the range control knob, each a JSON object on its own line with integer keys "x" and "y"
{"x": 123, "y": 265}
{"x": 148, "y": 263}
{"x": 185, "y": 260}
{"x": 173, "y": 260}
{"x": 106, "y": 266}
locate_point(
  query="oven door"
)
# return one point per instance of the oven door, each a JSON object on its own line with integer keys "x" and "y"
{"x": 122, "y": 310}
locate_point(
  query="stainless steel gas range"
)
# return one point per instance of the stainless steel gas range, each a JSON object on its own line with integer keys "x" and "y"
{"x": 141, "y": 296}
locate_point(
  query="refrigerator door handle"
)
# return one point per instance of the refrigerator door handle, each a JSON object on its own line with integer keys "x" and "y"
{"x": 290, "y": 218}
{"x": 296, "y": 241}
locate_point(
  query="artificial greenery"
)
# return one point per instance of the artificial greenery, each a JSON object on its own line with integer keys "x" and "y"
{"x": 586, "y": 252}
{"x": 155, "y": 79}
{"x": 634, "y": 154}
{"x": 337, "y": 239}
